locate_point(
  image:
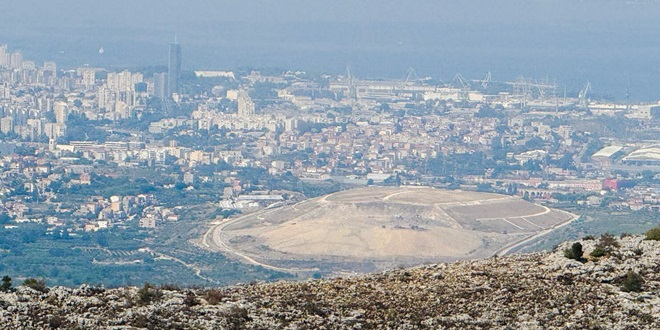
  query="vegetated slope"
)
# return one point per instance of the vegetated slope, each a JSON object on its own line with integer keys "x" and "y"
{"x": 533, "y": 291}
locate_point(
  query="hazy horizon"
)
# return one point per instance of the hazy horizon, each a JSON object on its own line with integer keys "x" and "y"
{"x": 613, "y": 44}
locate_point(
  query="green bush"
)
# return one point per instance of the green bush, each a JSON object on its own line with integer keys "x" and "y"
{"x": 632, "y": 283}
{"x": 6, "y": 284}
{"x": 607, "y": 243}
{"x": 598, "y": 252}
{"x": 653, "y": 234}
{"x": 575, "y": 252}
{"x": 39, "y": 285}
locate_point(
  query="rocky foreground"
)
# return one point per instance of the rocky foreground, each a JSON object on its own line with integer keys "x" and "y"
{"x": 533, "y": 291}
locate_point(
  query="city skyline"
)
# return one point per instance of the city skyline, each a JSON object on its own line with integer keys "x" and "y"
{"x": 568, "y": 41}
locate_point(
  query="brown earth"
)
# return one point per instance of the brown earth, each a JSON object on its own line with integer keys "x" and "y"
{"x": 376, "y": 228}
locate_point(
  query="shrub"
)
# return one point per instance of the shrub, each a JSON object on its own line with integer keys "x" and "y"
{"x": 6, "y": 284}
{"x": 55, "y": 322}
{"x": 653, "y": 234}
{"x": 575, "y": 252}
{"x": 141, "y": 321}
{"x": 213, "y": 296}
{"x": 608, "y": 242}
{"x": 148, "y": 294}
{"x": 237, "y": 317}
{"x": 598, "y": 252}
{"x": 589, "y": 238}
{"x": 170, "y": 287}
{"x": 632, "y": 283}
{"x": 190, "y": 300}
{"x": 35, "y": 284}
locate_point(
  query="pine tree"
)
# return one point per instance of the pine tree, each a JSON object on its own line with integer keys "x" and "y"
{"x": 6, "y": 284}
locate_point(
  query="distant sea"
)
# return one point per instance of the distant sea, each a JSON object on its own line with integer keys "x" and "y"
{"x": 616, "y": 62}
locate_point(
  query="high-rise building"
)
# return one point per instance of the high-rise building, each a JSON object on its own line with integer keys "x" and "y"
{"x": 105, "y": 99}
{"x": 7, "y": 124}
{"x": 160, "y": 85}
{"x": 173, "y": 69}
{"x": 15, "y": 60}
{"x": 50, "y": 67}
{"x": 5, "y": 91}
{"x": 37, "y": 125}
{"x": 61, "y": 110}
{"x": 88, "y": 77}
{"x": 245, "y": 105}
{"x": 4, "y": 60}
{"x": 53, "y": 130}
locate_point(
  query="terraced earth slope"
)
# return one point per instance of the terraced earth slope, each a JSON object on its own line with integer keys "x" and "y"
{"x": 375, "y": 228}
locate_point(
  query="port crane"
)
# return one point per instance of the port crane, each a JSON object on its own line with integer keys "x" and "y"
{"x": 583, "y": 96}
{"x": 460, "y": 82}
{"x": 485, "y": 82}
{"x": 411, "y": 76}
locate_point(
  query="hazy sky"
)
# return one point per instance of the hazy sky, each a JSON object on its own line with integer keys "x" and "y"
{"x": 164, "y": 13}
{"x": 613, "y": 43}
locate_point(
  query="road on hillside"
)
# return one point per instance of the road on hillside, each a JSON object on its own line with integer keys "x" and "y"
{"x": 517, "y": 246}
{"x": 213, "y": 240}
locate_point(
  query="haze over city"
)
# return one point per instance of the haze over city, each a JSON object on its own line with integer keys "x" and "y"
{"x": 567, "y": 41}
{"x": 329, "y": 164}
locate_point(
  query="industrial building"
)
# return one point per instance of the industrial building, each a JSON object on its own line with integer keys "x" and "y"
{"x": 644, "y": 156}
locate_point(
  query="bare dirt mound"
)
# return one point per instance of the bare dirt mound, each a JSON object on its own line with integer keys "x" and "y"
{"x": 374, "y": 228}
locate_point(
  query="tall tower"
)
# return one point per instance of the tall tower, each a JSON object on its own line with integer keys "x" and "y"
{"x": 173, "y": 68}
